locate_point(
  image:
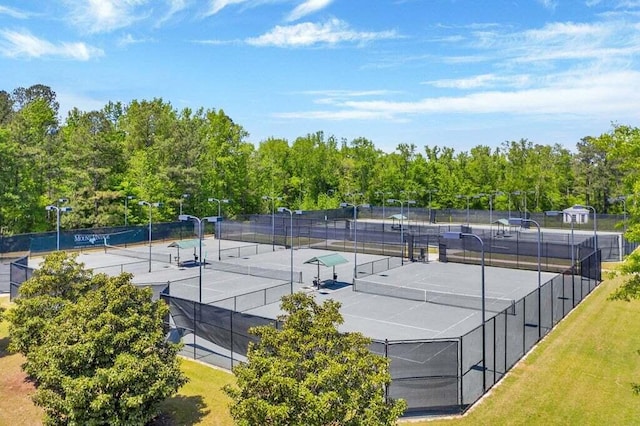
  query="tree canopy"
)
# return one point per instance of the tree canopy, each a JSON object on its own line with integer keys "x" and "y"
{"x": 152, "y": 151}
{"x": 309, "y": 373}
{"x": 94, "y": 345}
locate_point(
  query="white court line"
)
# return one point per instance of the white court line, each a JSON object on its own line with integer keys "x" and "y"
{"x": 426, "y": 360}
{"x": 457, "y": 323}
{"x": 390, "y": 323}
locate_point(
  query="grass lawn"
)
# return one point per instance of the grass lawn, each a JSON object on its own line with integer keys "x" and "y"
{"x": 581, "y": 374}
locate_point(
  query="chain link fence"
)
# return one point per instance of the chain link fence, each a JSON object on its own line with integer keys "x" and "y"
{"x": 434, "y": 376}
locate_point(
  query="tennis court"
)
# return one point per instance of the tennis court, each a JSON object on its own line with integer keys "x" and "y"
{"x": 388, "y": 316}
{"x": 386, "y": 305}
{"x": 163, "y": 269}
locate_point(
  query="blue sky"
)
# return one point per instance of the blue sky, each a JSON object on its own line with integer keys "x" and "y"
{"x": 455, "y": 73}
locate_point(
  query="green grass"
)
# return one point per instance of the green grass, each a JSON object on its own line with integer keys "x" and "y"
{"x": 201, "y": 401}
{"x": 580, "y": 374}
{"x": 16, "y": 407}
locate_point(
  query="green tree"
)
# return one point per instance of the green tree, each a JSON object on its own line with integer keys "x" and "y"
{"x": 308, "y": 373}
{"x": 94, "y": 163}
{"x": 100, "y": 356}
{"x": 60, "y": 280}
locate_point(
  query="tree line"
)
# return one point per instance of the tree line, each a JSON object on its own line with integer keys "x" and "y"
{"x": 103, "y": 160}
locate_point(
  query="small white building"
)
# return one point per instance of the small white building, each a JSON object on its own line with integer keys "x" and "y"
{"x": 576, "y": 214}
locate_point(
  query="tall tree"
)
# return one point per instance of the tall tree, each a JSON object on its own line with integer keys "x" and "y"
{"x": 308, "y": 373}
{"x": 96, "y": 349}
{"x": 94, "y": 164}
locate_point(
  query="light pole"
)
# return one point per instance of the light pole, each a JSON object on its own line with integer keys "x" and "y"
{"x": 151, "y": 205}
{"x": 519, "y": 222}
{"x": 622, "y": 198}
{"x": 409, "y": 202}
{"x": 595, "y": 224}
{"x": 431, "y": 191}
{"x": 467, "y": 197}
{"x": 459, "y": 236}
{"x": 186, "y": 217}
{"x": 58, "y": 210}
{"x": 525, "y": 199}
{"x": 126, "y": 207}
{"x": 273, "y": 220}
{"x": 355, "y": 235}
{"x": 573, "y": 220}
{"x": 395, "y": 200}
{"x": 491, "y": 195}
{"x": 219, "y": 222}
{"x": 382, "y": 194}
{"x": 282, "y": 210}
{"x": 183, "y": 197}
{"x": 516, "y": 193}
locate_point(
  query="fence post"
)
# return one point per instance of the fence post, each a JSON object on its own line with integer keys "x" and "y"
{"x": 460, "y": 372}
{"x": 573, "y": 286}
{"x": 194, "y": 330}
{"x": 386, "y": 355}
{"x": 506, "y": 344}
{"x": 524, "y": 326}
{"x": 231, "y": 335}
{"x": 495, "y": 367}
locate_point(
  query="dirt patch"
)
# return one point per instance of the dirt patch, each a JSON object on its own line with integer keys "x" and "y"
{"x": 17, "y": 383}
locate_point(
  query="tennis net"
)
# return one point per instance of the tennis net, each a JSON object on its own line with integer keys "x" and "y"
{"x": 256, "y": 271}
{"x": 471, "y": 301}
{"x": 118, "y": 251}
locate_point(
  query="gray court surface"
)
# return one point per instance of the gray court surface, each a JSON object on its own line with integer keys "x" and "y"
{"x": 376, "y": 316}
{"x": 383, "y": 317}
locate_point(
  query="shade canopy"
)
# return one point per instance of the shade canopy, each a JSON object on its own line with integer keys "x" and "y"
{"x": 328, "y": 260}
{"x": 184, "y": 244}
{"x": 397, "y": 217}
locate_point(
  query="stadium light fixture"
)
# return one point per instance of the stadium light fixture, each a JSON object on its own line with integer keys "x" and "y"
{"x": 273, "y": 220}
{"x": 282, "y": 210}
{"x": 182, "y": 198}
{"x": 355, "y": 235}
{"x": 126, "y": 207}
{"x": 151, "y": 205}
{"x": 451, "y": 235}
{"x": 395, "y": 200}
{"x": 219, "y": 221}
{"x": 517, "y": 221}
{"x": 595, "y": 224}
{"x": 187, "y": 217}
{"x": 58, "y": 211}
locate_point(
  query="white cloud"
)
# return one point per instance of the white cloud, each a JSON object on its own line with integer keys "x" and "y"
{"x": 217, "y": 5}
{"x": 129, "y": 39}
{"x": 99, "y": 16}
{"x": 14, "y": 13}
{"x": 306, "y": 8}
{"x": 175, "y": 6}
{"x": 24, "y": 44}
{"x": 307, "y": 34}
{"x": 549, "y": 4}
{"x": 482, "y": 80}
{"x": 588, "y": 94}
{"x": 562, "y": 41}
